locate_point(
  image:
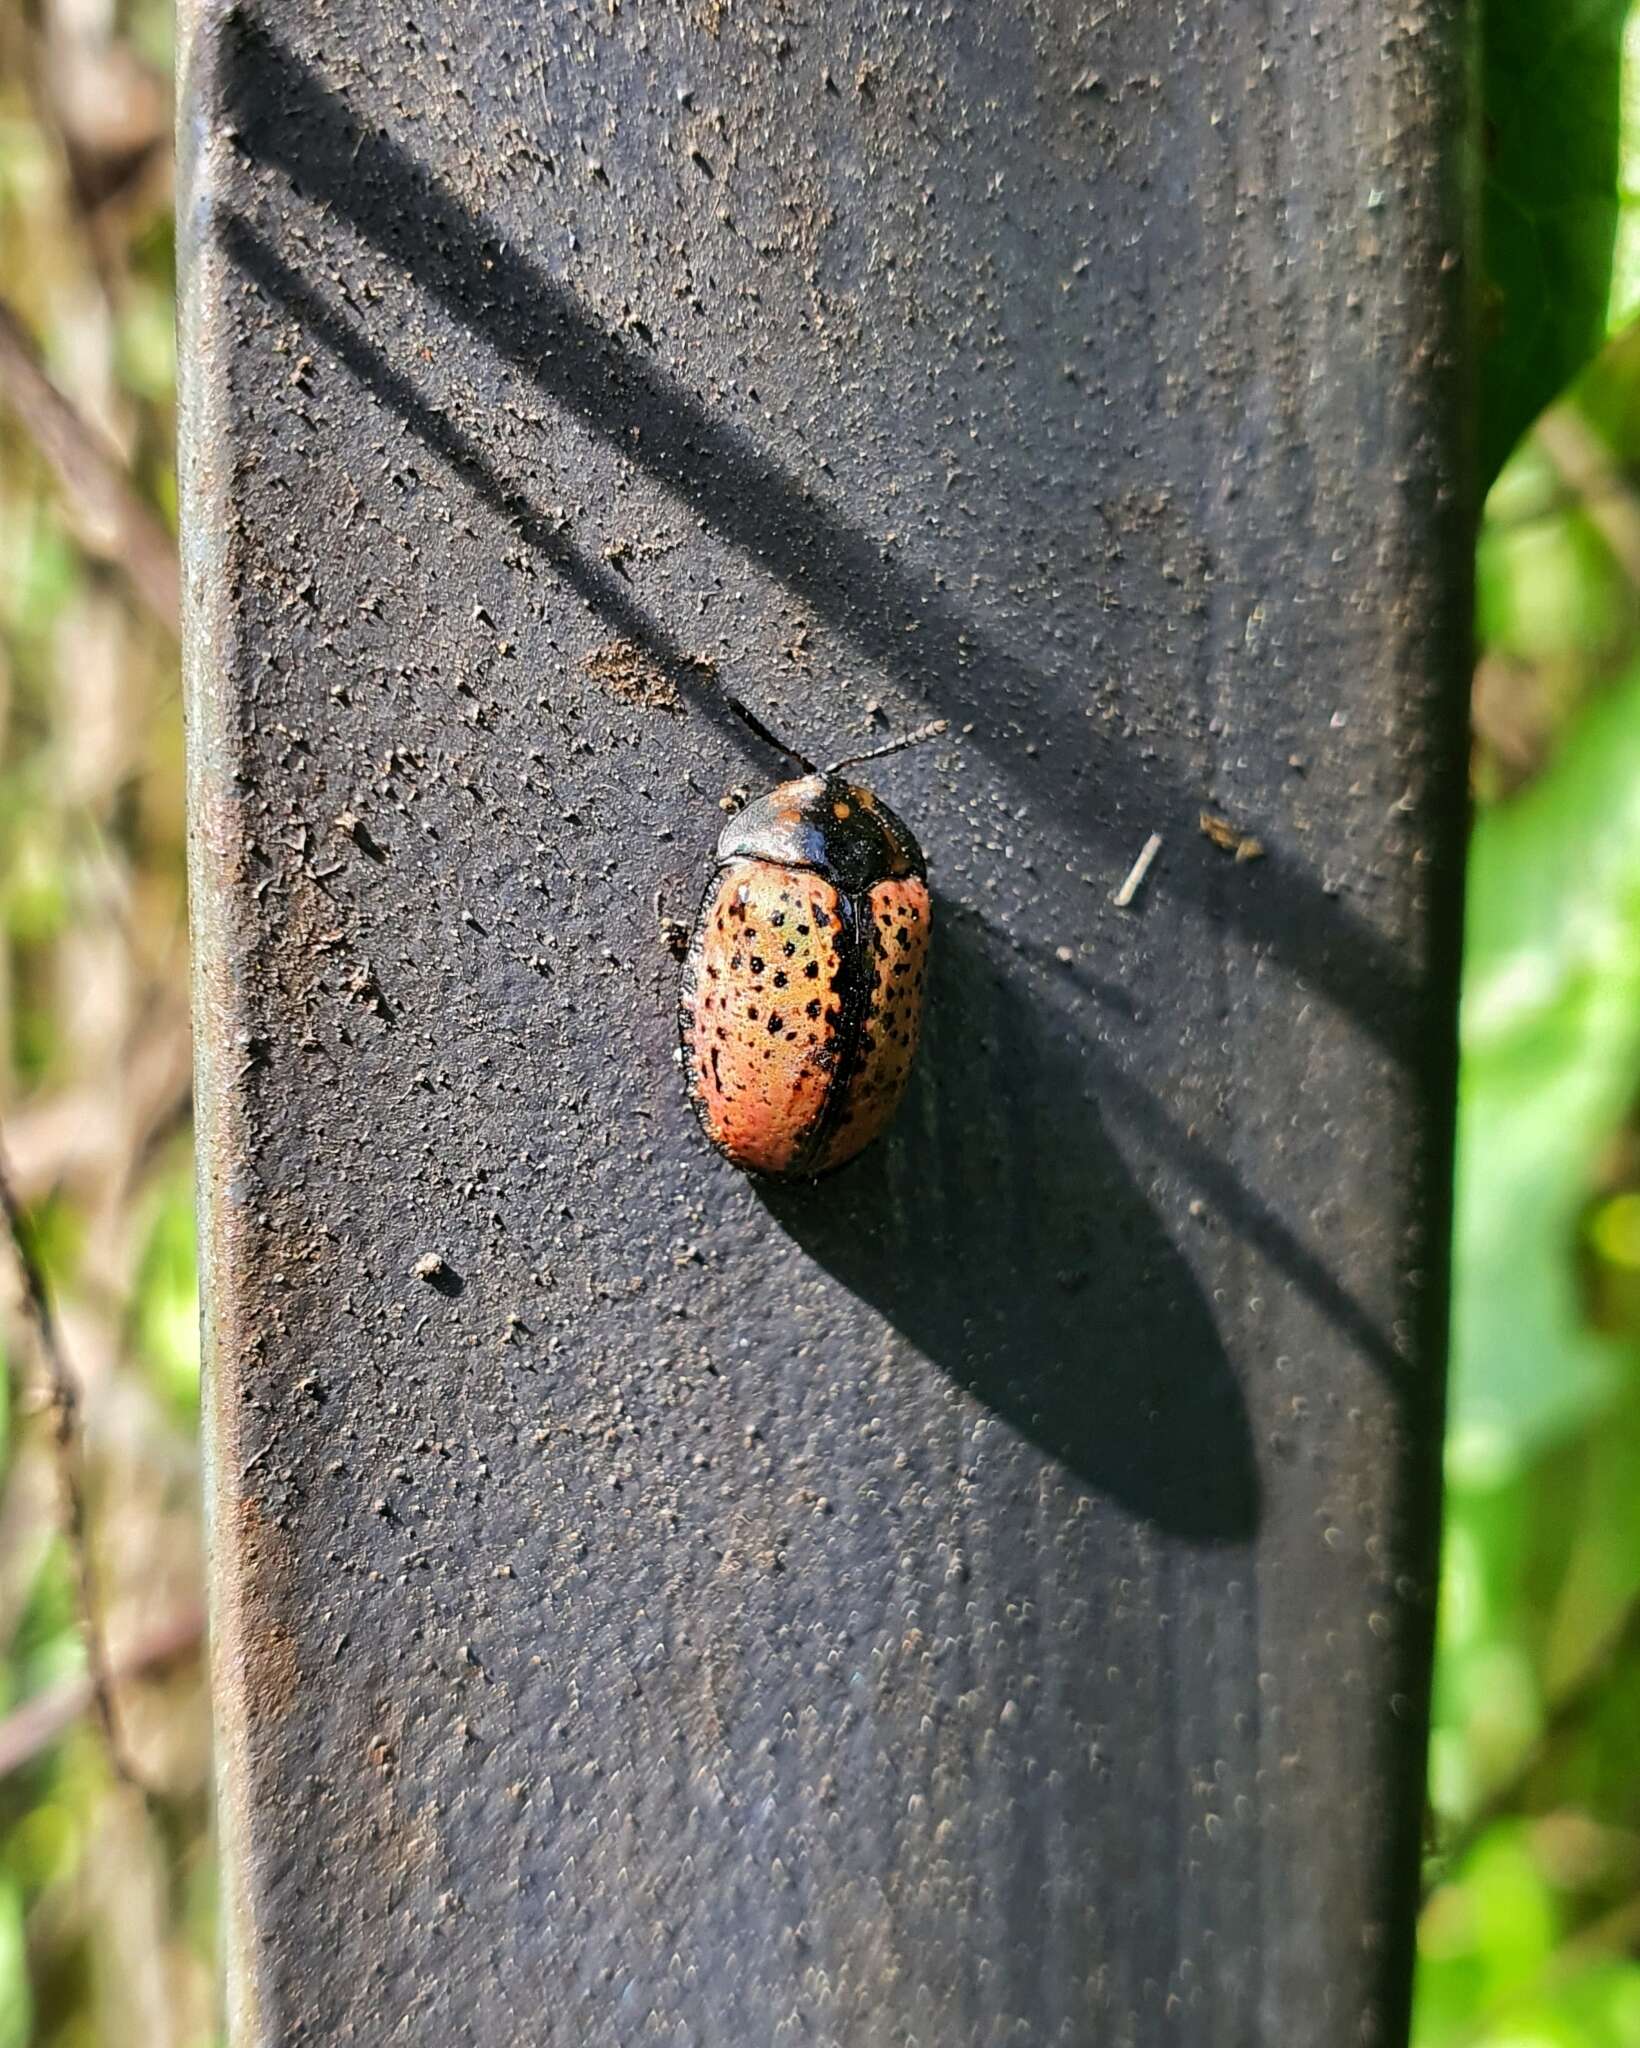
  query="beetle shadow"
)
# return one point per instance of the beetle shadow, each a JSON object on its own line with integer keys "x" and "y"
{"x": 1000, "y": 1232}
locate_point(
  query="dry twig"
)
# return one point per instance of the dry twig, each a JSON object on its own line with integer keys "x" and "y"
{"x": 1586, "y": 467}
{"x": 37, "y": 1723}
{"x": 64, "y": 1398}
{"x": 93, "y": 478}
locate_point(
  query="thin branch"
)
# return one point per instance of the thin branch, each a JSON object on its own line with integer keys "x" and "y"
{"x": 1585, "y": 466}
{"x": 37, "y": 1723}
{"x": 68, "y": 1445}
{"x": 115, "y": 521}
{"x": 48, "y": 124}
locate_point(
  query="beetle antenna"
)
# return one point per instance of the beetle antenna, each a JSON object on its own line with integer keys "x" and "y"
{"x": 755, "y": 724}
{"x": 931, "y": 731}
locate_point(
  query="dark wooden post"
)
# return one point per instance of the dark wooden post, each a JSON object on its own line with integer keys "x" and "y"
{"x": 985, "y": 1598}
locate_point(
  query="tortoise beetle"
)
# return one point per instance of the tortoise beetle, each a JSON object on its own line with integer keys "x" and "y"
{"x": 802, "y": 989}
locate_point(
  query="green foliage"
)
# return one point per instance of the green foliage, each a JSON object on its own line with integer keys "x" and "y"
{"x": 106, "y": 1900}
{"x": 1551, "y": 111}
{"x": 16, "y": 2005}
{"x": 1551, "y": 1063}
{"x": 1525, "y": 1937}
{"x": 165, "y": 1298}
{"x": 1531, "y": 1931}
{"x": 1499, "y": 1967}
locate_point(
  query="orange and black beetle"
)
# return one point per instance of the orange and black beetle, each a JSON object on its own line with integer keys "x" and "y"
{"x": 803, "y": 984}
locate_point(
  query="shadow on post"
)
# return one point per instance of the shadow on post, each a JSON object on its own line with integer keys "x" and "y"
{"x": 285, "y": 118}
{"x": 998, "y": 1230}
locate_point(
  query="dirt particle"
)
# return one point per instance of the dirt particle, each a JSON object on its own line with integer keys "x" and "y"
{"x": 632, "y": 675}
{"x": 438, "y": 1273}
{"x": 353, "y": 827}
{"x": 1230, "y": 838}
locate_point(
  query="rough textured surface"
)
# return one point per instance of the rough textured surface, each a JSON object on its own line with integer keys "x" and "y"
{"x": 986, "y": 1597}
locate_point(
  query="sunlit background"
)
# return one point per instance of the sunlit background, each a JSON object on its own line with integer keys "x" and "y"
{"x": 1530, "y": 1928}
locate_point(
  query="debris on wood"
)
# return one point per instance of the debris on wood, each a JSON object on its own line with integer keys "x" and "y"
{"x": 674, "y": 933}
{"x": 635, "y": 676}
{"x": 353, "y": 827}
{"x": 1230, "y": 838}
{"x": 1136, "y": 874}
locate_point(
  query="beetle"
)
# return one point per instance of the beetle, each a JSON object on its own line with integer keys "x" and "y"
{"x": 802, "y": 987}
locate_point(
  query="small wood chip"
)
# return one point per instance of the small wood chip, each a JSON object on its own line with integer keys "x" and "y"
{"x": 1229, "y": 838}
{"x": 1136, "y": 874}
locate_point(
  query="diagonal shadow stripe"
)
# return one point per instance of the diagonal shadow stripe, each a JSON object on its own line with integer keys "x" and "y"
{"x": 1252, "y": 1220}
{"x": 284, "y": 117}
{"x": 1127, "y": 1101}
{"x": 598, "y": 588}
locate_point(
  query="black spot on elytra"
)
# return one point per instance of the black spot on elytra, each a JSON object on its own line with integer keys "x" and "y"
{"x": 812, "y": 1007}
{"x": 757, "y": 963}
{"x": 812, "y": 971}
{"x": 775, "y": 1021}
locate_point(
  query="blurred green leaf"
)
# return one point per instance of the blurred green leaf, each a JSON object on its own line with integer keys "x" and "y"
{"x": 39, "y": 567}
{"x": 1625, "y": 287}
{"x": 1488, "y": 1938}
{"x": 1551, "y": 1061}
{"x": 166, "y": 1294}
{"x": 16, "y": 2005}
{"x": 1607, "y": 395}
{"x": 1551, "y": 92}
{"x": 1499, "y": 1968}
{"x": 44, "y": 1842}
{"x": 1547, "y": 586}
{"x": 47, "y": 1646}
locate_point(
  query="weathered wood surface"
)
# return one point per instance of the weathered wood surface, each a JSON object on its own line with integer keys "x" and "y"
{"x": 985, "y": 1598}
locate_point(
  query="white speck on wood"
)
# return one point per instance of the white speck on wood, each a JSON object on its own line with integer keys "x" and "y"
{"x": 1136, "y": 874}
